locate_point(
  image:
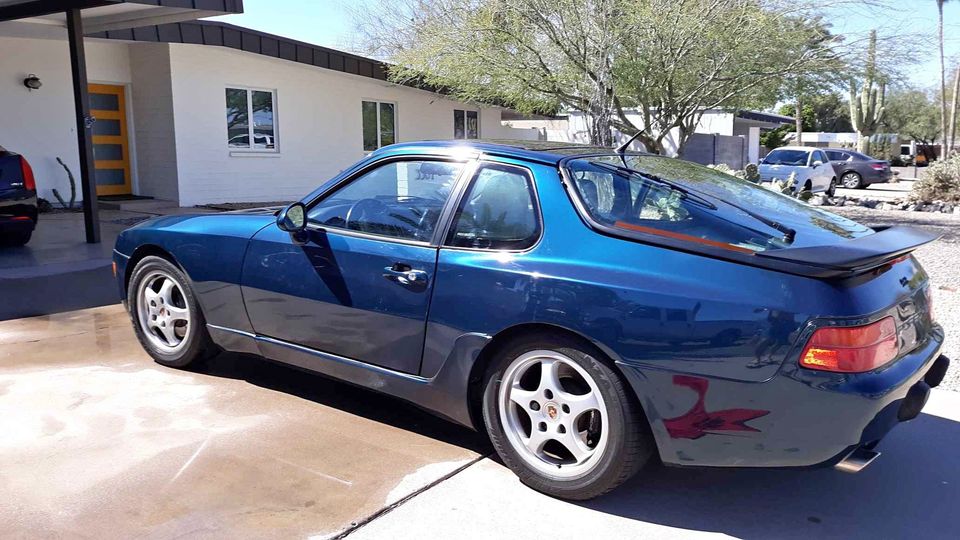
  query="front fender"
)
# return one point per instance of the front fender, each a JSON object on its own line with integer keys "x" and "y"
{"x": 208, "y": 248}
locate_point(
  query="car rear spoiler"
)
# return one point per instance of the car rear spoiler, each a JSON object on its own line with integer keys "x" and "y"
{"x": 850, "y": 257}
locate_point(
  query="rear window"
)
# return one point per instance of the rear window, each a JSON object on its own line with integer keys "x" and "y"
{"x": 787, "y": 157}
{"x": 643, "y": 201}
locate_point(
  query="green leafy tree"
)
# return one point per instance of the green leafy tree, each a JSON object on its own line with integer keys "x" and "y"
{"x": 915, "y": 114}
{"x": 664, "y": 61}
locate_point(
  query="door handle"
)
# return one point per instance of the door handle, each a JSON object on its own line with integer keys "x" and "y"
{"x": 405, "y": 275}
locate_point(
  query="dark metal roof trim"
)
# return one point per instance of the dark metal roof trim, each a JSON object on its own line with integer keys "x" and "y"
{"x": 38, "y": 8}
{"x": 252, "y": 41}
{"x": 764, "y": 117}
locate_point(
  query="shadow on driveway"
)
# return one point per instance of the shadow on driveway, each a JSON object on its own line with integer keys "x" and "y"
{"x": 911, "y": 491}
{"x": 345, "y": 397}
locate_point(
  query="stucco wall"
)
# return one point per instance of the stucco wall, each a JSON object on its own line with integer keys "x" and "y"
{"x": 317, "y": 121}
{"x": 41, "y": 124}
{"x": 153, "y": 121}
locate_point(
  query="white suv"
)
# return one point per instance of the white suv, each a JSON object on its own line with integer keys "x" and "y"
{"x": 813, "y": 169}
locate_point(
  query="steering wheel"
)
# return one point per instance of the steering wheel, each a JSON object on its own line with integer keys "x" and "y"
{"x": 362, "y": 210}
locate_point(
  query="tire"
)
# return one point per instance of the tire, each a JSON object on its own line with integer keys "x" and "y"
{"x": 851, "y": 180}
{"x": 16, "y": 239}
{"x": 832, "y": 188}
{"x": 174, "y": 336}
{"x": 583, "y": 380}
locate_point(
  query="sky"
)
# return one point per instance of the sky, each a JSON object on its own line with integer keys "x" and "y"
{"x": 330, "y": 23}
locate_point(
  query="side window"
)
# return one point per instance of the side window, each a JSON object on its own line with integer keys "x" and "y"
{"x": 498, "y": 211}
{"x": 833, "y": 155}
{"x": 402, "y": 199}
{"x": 818, "y": 156}
{"x": 379, "y": 124}
{"x": 465, "y": 124}
{"x": 250, "y": 115}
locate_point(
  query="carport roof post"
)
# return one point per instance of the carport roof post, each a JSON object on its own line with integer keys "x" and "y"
{"x": 98, "y": 16}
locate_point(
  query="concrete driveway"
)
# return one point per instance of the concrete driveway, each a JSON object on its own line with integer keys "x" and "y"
{"x": 97, "y": 441}
{"x": 911, "y": 491}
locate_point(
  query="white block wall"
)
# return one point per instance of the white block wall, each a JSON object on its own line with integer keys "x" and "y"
{"x": 41, "y": 124}
{"x": 317, "y": 118}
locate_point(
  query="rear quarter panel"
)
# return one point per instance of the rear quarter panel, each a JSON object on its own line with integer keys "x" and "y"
{"x": 209, "y": 248}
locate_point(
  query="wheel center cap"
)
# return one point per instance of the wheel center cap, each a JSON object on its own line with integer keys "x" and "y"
{"x": 551, "y": 411}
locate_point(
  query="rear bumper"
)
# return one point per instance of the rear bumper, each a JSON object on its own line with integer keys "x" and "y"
{"x": 16, "y": 225}
{"x": 878, "y": 177}
{"x": 800, "y": 418}
{"x": 18, "y": 211}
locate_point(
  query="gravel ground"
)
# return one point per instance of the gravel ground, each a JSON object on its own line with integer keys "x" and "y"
{"x": 941, "y": 259}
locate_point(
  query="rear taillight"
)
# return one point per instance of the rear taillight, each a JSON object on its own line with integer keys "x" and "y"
{"x": 28, "y": 181}
{"x": 929, "y": 294}
{"x": 852, "y": 349}
{"x": 878, "y": 166}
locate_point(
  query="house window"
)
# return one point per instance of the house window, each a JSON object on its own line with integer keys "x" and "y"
{"x": 466, "y": 124}
{"x": 258, "y": 135}
{"x": 379, "y": 124}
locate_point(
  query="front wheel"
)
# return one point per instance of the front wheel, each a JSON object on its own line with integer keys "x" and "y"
{"x": 832, "y": 188}
{"x": 562, "y": 419}
{"x": 166, "y": 317}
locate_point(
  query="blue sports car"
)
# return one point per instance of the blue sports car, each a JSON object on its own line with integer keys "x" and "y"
{"x": 590, "y": 309}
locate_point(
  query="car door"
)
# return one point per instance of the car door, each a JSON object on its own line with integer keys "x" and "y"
{"x": 358, "y": 283}
{"x": 820, "y": 175}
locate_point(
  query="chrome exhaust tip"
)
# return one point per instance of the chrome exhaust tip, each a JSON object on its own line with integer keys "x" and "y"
{"x": 857, "y": 460}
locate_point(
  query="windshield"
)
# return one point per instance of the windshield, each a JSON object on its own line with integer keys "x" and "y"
{"x": 696, "y": 211}
{"x": 787, "y": 157}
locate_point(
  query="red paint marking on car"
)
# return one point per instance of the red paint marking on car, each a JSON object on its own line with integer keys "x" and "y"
{"x": 698, "y": 421}
{"x": 681, "y": 236}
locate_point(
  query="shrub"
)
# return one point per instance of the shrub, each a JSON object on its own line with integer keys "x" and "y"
{"x": 940, "y": 182}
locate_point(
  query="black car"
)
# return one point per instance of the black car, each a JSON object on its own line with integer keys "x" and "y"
{"x": 856, "y": 170}
{"x": 18, "y": 199}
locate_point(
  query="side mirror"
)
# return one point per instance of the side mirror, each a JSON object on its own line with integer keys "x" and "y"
{"x": 817, "y": 163}
{"x": 293, "y": 218}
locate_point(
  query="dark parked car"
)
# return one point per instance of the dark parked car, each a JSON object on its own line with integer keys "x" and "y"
{"x": 589, "y": 310}
{"x": 856, "y": 170}
{"x": 18, "y": 199}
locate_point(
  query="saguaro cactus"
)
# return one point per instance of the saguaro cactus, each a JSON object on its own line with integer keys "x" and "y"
{"x": 866, "y": 109}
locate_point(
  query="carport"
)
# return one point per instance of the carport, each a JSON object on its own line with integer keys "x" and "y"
{"x": 73, "y": 19}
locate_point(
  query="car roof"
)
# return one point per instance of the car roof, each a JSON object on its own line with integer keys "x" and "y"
{"x": 804, "y": 148}
{"x": 543, "y": 151}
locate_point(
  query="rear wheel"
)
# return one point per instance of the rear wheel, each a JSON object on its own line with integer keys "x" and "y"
{"x": 166, "y": 317}
{"x": 851, "y": 180}
{"x": 19, "y": 238}
{"x": 562, "y": 419}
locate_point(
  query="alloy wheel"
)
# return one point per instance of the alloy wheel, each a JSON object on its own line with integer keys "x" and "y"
{"x": 850, "y": 180}
{"x": 162, "y": 312}
{"x": 553, "y": 414}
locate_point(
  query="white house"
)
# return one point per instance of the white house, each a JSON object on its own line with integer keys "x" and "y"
{"x": 173, "y": 101}
{"x": 728, "y": 130}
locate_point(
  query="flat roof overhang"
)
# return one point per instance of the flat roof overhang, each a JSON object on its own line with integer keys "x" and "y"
{"x": 103, "y": 15}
